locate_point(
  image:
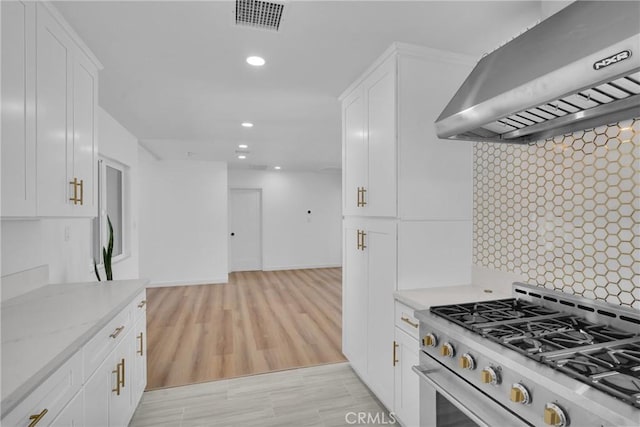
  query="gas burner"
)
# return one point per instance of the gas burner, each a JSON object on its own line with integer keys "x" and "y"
{"x": 622, "y": 383}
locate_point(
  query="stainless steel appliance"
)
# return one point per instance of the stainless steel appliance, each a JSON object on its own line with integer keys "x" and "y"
{"x": 578, "y": 69}
{"x": 541, "y": 358}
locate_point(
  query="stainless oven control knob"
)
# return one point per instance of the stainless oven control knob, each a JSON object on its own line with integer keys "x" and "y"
{"x": 490, "y": 375}
{"x": 430, "y": 340}
{"x": 447, "y": 350}
{"x": 467, "y": 361}
{"x": 554, "y": 415}
{"x": 520, "y": 394}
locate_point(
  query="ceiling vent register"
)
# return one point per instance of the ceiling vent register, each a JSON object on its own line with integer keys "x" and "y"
{"x": 259, "y": 14}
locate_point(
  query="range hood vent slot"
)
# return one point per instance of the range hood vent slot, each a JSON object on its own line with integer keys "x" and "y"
{"x": 578, "y": 69}
{"x": 259, "y": 14}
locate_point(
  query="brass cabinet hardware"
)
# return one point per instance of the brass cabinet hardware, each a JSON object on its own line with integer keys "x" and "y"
{"x": 406, "y": 320}
{"x": 81, "y": 192}
{"x": 359, "y": 193}
{"x": 122, "y": 378}
{"x": 142, "y": 303}
{"x": 362, "y": 243}
{"x": 115, "y": 333}
{"x": 74, "y": 199}
{"x": 35, "y": 419}
{"x": 118, "y": 382}
{"x": 141, "y": 351}
{"x": 363, "y": 202}
{"x": 358, "y": 244}
{"x": 395, "y": 356}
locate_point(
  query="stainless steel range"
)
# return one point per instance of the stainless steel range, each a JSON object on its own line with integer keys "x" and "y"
{"x": 540, "y": 358}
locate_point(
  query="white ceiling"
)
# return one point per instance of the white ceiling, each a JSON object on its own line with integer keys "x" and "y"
{"x": 175, "y": 72}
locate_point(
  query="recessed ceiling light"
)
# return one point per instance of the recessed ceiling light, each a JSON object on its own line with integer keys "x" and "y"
{"x": 256, "y": 61}
{"x": 242, "y": 157}
{"x": 243, "y": 146}
{"x": 277, "y": 168}
{"x": 247, "y": 125}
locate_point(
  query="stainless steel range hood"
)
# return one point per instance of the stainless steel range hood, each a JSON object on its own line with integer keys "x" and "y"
{"x": 578, "y": 69}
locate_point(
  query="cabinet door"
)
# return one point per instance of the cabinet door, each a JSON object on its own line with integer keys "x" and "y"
{"x": 355, "y": 153}
{"x": 83, "y": 138}
{"x": 73, "y": 414}
{"x": 139, "y": 371}
{"x": 380, "y": 93}
{"x": 380, "y": 243}
{"x": 53, "y": 103}
{"x": 98, "y": 393}
{"x": 18, "y": 109}
{"x": 355, "y": 296}
{"x": 407, "y": 385}
{"x": 120, "y": 407}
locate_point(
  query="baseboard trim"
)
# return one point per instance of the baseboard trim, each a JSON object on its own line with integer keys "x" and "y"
{"x": 301, "y": 267}
{"x": 212, "y": 281}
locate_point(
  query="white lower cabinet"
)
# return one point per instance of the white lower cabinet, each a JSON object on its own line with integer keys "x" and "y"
{"x": 72, "y": 415}
{"x": 109, "y": 394}
{"x": 407, "y": 387}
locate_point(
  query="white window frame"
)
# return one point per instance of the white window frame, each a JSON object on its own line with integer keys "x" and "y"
{"x": 103, "y": 162}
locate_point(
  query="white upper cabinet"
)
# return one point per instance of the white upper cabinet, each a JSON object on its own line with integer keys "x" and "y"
{"x": 49, "y": 84}
{"x": 66, "y": 131}
{"x": 394, "y": 165}
{"x": 18, "y": 109}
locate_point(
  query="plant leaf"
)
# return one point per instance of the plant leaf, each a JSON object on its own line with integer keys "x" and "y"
{"x": 95, "y": 270}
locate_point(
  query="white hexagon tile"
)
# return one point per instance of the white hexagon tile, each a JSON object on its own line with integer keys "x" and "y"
{"x": 564, "y": 213}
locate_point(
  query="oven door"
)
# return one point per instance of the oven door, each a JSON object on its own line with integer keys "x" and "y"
{"x": 448, "y": 400}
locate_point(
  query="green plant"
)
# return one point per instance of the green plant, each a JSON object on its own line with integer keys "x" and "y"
{"x": 106, "y": 256}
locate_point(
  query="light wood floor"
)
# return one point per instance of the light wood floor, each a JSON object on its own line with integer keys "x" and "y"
{"x": 321, "y": 396}
{"x": 258, "y": 322}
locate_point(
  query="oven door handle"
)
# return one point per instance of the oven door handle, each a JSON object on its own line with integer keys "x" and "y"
{"x": 481, "y": 409}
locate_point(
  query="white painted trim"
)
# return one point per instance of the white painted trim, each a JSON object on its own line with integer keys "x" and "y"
{"x": 71, "y": 32}
{"x": 189, "y": 282}
{"x": 407, "y": 49}
{"x": 301, "y": 267}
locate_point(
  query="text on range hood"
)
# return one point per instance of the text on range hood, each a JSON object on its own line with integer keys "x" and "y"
{"x": 578, "y": 69}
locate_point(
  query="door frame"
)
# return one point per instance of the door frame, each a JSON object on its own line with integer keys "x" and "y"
{"x": 260, "y": 223}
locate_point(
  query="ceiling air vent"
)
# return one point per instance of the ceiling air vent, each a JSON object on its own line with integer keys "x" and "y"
{"x": 259, "y": 14}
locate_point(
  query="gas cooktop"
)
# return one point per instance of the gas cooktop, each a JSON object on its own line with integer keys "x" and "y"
{"x": 594, "y": 352}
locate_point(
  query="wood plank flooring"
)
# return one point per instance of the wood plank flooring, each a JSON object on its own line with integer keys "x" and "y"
{"x": 321, "y": 396}
{"x": 258, "y": 322}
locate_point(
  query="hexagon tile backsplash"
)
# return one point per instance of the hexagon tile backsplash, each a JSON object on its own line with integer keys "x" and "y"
{"x": 564, "y": 213}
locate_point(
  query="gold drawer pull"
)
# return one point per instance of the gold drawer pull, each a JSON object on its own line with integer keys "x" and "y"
{"x": 406, "y": 320}
{"x": 395, "y": 358}
{"x": 118, "y": 380}
{"x": 141, "y": 351}
{"x": 74, "y": 199}
{"x": 35, "y": 419}
{"x": 116, "y": 332}
{"x": 122, "y": 378}
{"x": 82, "y": 192}
{"x": 142, "y": 303}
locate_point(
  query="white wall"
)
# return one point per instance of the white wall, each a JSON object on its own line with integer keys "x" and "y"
{"x": 183, "y": 221}
{"x": 291, "y": 237}
{"x": 65, "y": 244}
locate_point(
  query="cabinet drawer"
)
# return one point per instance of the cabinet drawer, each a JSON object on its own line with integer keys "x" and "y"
{"x": 96, "y": 350}
{"x": 50, "y": 397}
{"x": 139, "y": 305}
{"x": 405, "y": 319}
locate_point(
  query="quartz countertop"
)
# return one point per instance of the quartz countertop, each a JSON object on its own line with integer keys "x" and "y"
{"x": 421, "y": 299}
{"x": 42, "y": 329}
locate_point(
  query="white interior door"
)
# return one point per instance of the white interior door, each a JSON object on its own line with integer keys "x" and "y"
{"x": 245, "y": 232}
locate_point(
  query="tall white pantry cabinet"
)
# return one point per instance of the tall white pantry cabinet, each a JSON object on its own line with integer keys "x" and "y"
{"x": 407, "y": 209}
{"x": 49, "y": 102}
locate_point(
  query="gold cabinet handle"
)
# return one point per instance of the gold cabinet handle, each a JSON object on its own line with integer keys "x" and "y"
{"x": 142, "y": 303}
{"x": 358, "y": 243}
{"x": 406, "y": 320}
{"x": 35, "y": 419}
{"x": 74, "y": 199}
{"x": 115, "y": 333}
{"x": 362, "y": 245}
{"x": 363, "y": 203}
{"x": 359, "y": 193}
{"x": 118, "y": 381}
{"x": 395, "y": 356}
{"x": 141, "y": 351}
{"x": 81, "y": 192}
{"x": 122, "y": 378}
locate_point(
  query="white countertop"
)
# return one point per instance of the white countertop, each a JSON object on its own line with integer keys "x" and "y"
{"x": 421, "y": 299}
{"x": 42, "y": 329}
